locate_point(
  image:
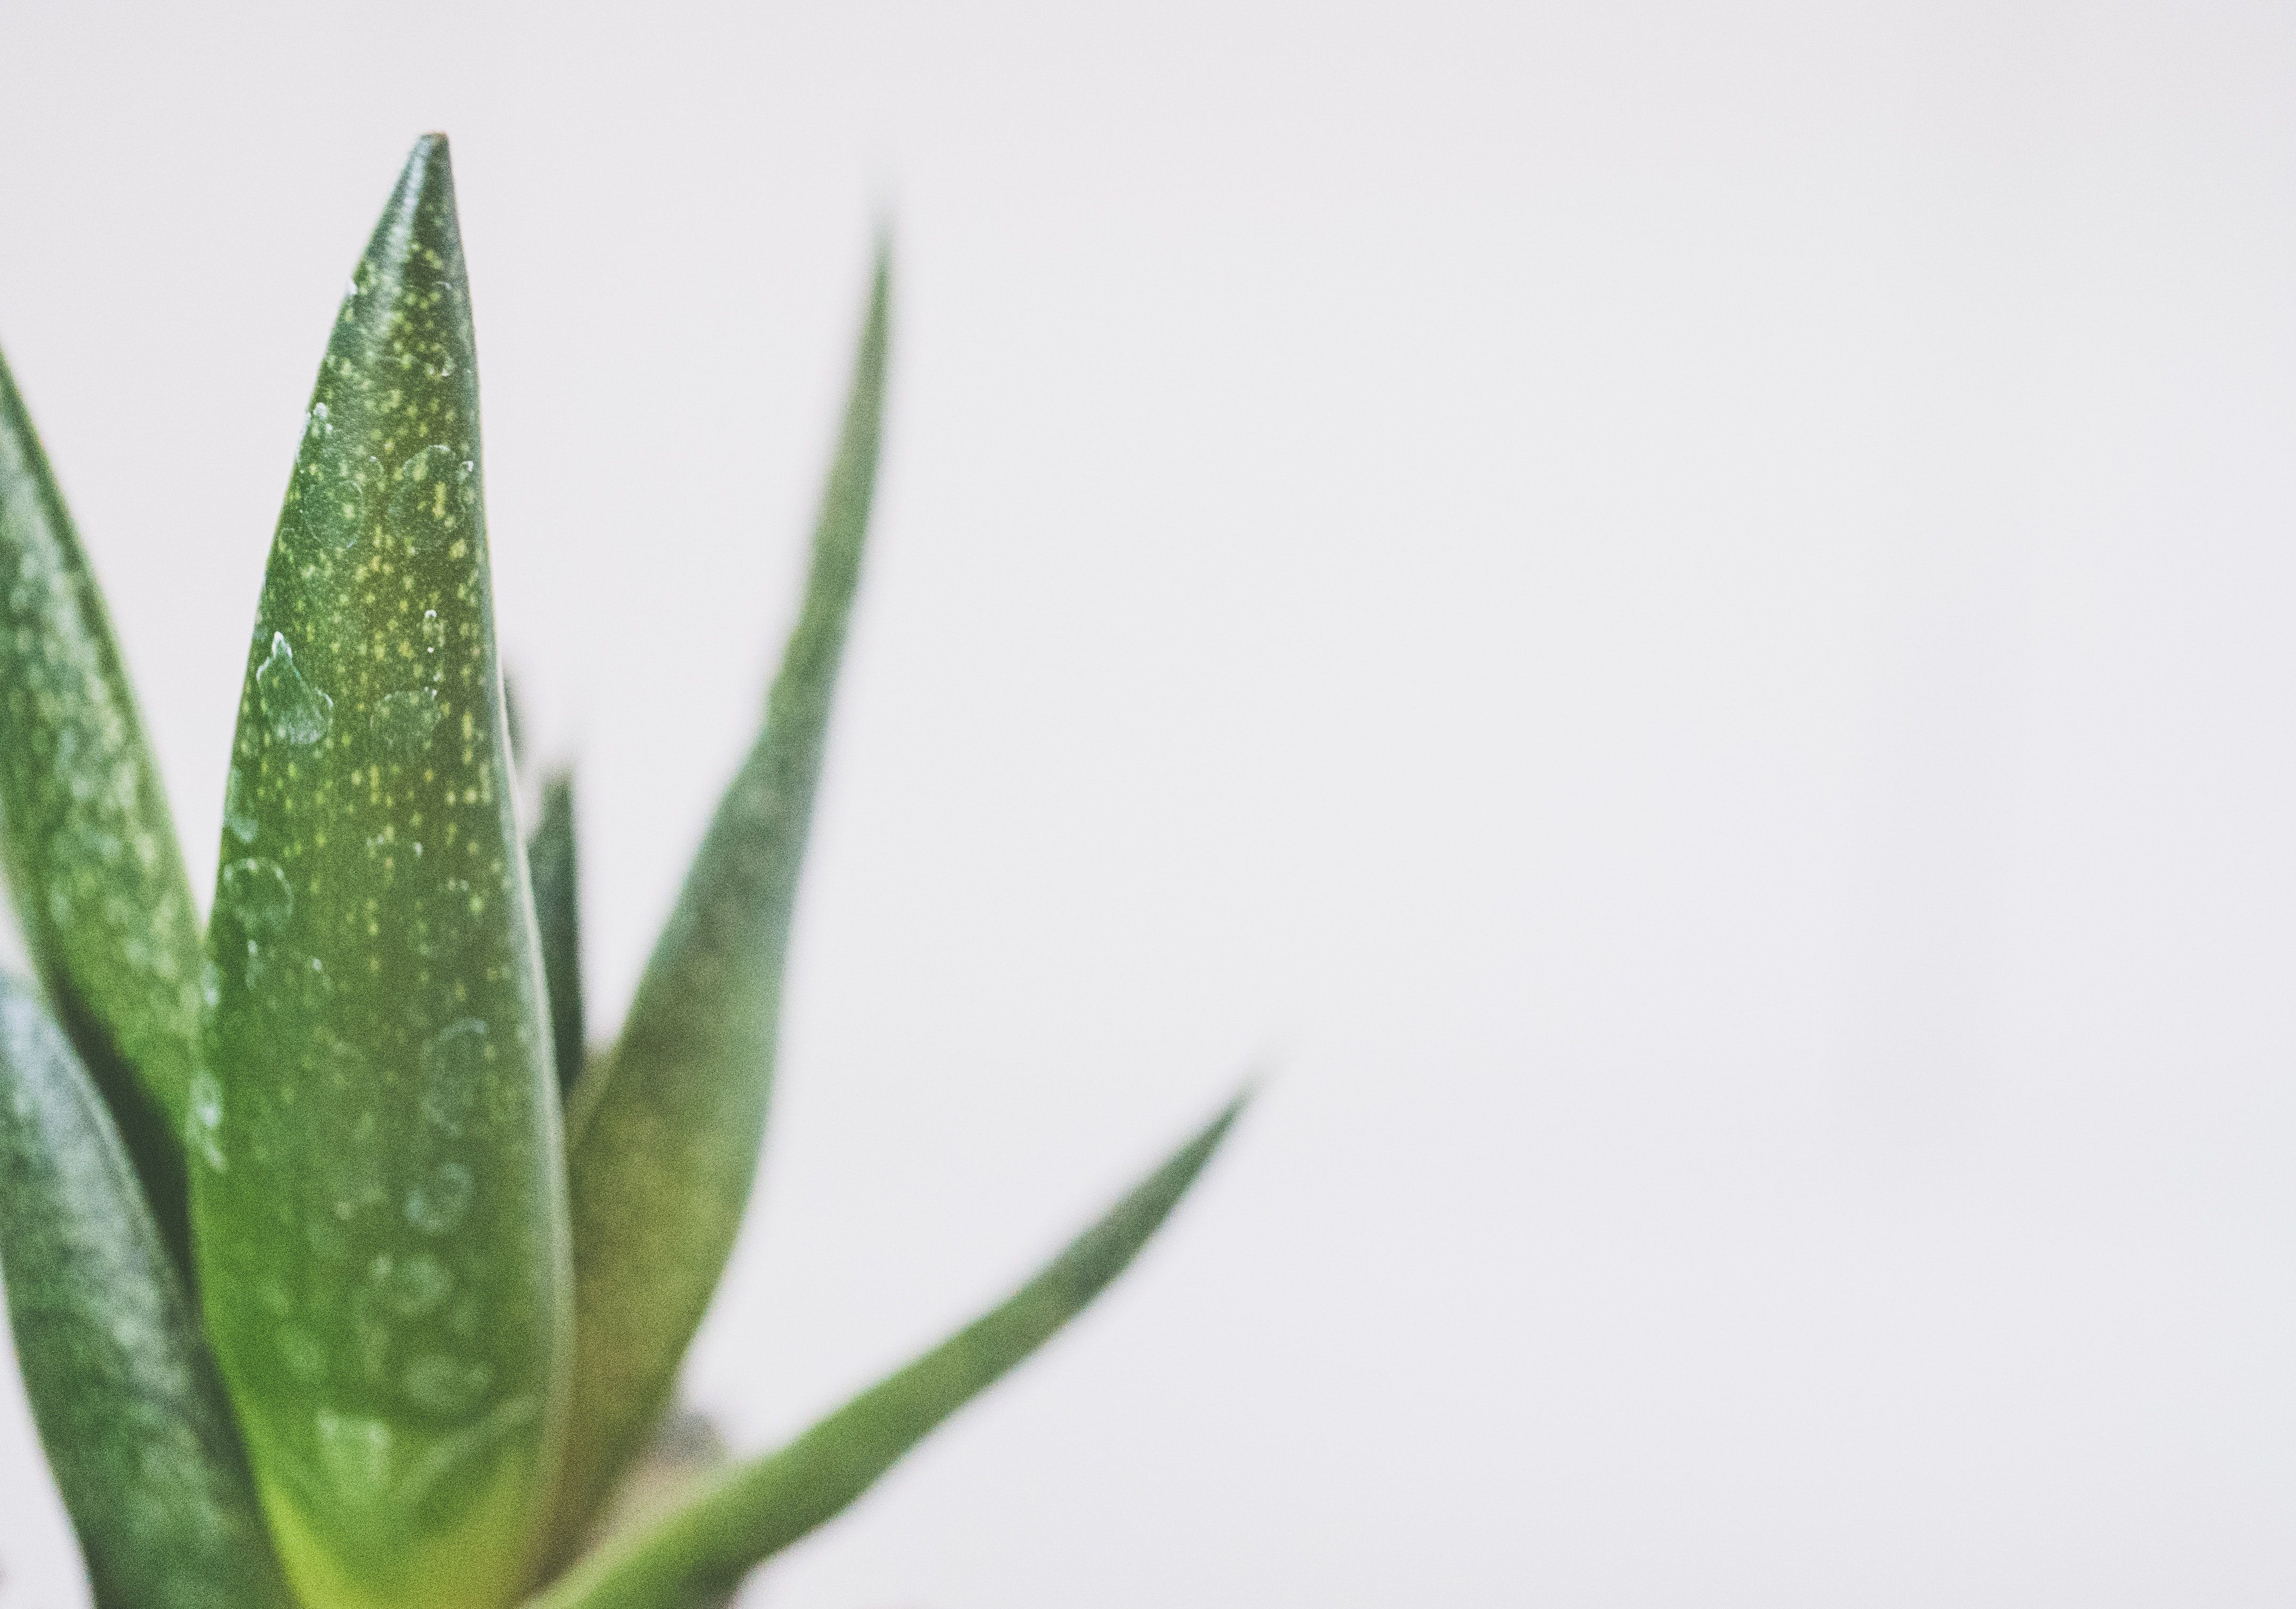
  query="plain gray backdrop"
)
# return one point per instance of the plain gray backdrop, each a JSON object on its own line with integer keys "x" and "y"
{"x": 1679, "y": 614}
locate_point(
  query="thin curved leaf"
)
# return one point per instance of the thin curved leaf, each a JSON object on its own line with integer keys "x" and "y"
{"x": 121, "y": 1386}
{"x": 552, "y": 860}
{"x": 90, "y": 847}
{"x": 704, "y": 1548}
{"x": 376, "y": 1185}
{"x": 664, "y": 1131}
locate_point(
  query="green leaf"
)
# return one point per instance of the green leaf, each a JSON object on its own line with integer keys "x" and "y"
{"x": 664, "y": 1131}
{"x": 683, "y": 1452}
{"x": 551, "y": 859}
{"x": 379, "y": 1204}
{"x": 706, "y": 1546}
{"x": 511, "y": 720}
{"x": 90, "y": 849}
{"x": 121, "y": 1385}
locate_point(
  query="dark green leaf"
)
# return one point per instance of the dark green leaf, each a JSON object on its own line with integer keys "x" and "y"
{"x": 121, "y": 1385}
{"x": 551, "y": 858}
{"x": 511, "y": 720}
{"x": 664, "y": 1131}
{"x": 379, "y": 1204}
{"x": 91, "y": 852}
{"x": 706, "y": 1546}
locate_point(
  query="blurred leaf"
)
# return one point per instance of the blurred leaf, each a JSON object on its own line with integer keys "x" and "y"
{"x": 686, "y": 1449}
{"x": 664, "y": 1131}
{"x": 513, "y": 722}
{"x": 377, "y": 1190}
{"x": 121, "y": 1386}
{"x": 90, "y": 848}
{"x": 551, "y": 858}
{"x": 707, "y": 1546}
{"x": 685, "y": 1452}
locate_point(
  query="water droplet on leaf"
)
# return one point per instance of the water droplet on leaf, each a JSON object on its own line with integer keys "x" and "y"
{"x": 239, "y": 806}
{"x": 259, "y": 893}
{"x": 412, "y": 1285}
{"x": 207, "y": 1119}
{"x": 296, "y": 711}
{"x": 331, "y": 491}
{"x": 355, "y": 1454}
{"x": 405, "y": 720}
{"x": 448, "y": 1386}
{"x": 441, "y": 1201}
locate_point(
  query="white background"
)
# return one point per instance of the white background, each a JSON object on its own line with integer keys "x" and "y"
{"x": 1682, "y": 614}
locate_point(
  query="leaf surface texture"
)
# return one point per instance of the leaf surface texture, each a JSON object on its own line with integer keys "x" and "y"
{"x": 379, "y": 1201}
{"x": 90, "y": 847}
{"x": 126, "y": 1396}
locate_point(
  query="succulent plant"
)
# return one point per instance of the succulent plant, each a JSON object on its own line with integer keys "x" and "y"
{"x": 342, "y": 1273}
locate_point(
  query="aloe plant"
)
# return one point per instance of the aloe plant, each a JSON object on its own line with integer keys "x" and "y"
{"x": 342, "y": 1273}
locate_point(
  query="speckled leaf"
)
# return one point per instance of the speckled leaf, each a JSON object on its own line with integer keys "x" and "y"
{"x": 664, "y": 1130}
{"x": 121, "y": 1386}
{"x": 705, "y": 1547}
{"x": 379, "y": 1206}
{"x": 91, "y": 853}
{"x": 551, "y": 859}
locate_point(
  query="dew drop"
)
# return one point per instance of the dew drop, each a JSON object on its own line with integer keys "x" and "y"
{"x": 332, "y": 493}
{"x": 434, "y": 632}
{"x": 355, "y": 1454}
{"x": 454, "y": 1071}
{"x": 412, "y": 1286}
{"x": 238, "y": 807}
{"x": 441, "y": 1201}
{"x": 297, "y": 713}
{"x": 441, "y": 1481}
{"x": 207, "y": 1119}
{"x": 405, "y": 720}
{"x": 258, "y": 891}
{"x": 448, "y": 1386}
{"x": 434, "y": 499}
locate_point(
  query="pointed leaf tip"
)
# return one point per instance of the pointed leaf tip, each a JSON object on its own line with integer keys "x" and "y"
{"x": 663, "y": 1132}
{"x": 429, "y": 160}
{"x": 381, "y": 1221}
{"x": 704, "y": 1548}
